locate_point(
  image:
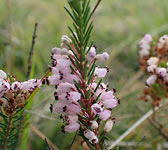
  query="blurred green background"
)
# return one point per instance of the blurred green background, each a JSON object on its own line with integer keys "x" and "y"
{"x": 118, "y": 24}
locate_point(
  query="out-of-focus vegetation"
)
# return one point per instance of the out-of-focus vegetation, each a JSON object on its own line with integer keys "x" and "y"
{"x": 118, "y": 25}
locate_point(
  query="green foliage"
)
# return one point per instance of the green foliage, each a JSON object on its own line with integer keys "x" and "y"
{"x": 80, "y": 14}
{"x": 25, "y": 122}
{"x": 10, "y": 129}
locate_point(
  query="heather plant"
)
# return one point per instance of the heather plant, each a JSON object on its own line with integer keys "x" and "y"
{"x": 153, "y": 60}
{"x": 83, "y": 101}
{"x": 14, "y": 96}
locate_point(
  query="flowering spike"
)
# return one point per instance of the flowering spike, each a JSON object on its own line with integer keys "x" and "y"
{"x": 155, "y": 64}
{"x": 83, "y": 101}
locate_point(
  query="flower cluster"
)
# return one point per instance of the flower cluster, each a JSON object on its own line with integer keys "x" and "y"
{"x": 14, "y": 93}
{"x": 144, "y": 46}
{"x": 153, "y": 58}
{"x": 82, "y": 100}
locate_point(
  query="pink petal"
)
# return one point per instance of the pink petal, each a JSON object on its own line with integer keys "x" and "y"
{"x": 72, "y": 127}
{"x": 107, "y": 95}
{"x": 96, "y": 108}
{"x": 151, "y": 79}
{"x": 64, "y": 87}
{"x": 110, "y": 103}
{"x": 91, "y": 54}
{"x": 75, "y": 96}
{"x": 16, "y": 86}
{"x": 103, "y": 57}
{"x": 100, "y": 72}
{"x": 55, "y": 70}
{"x": 73, "y": 109}
{"x": 104, "y": 115}
{"x": 70, "y": 78}
{"x": 54, "y": 79}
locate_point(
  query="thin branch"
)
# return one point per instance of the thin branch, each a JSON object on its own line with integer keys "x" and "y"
{"x": 93, "y": 11}
{"x": 48, "y": 146}
{"x": 160, "y": 130}
{"x": 31, "y": 50}
{"x": 135, "y": 125}
{"x": 73, "y": 140}
{"x": 10, "y": 61}
{"x": 41, "y": 135}
{"x": 154, "y": 118}
{"x": 45, "y": 75}
{"x": 155, "y": 125}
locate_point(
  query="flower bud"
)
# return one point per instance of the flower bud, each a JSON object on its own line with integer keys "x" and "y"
{"x": 100, "y": 72}
{"x": 66, "y": 39}
{"x": 153, "y": 61}
{"x": 60, "y": 51}
{"x": 89, "y": 134}
{"x": 94, "y": 139}
{"x": 2, "y": 75}
{"x": 3, "y": 102}
{"x": 151, "y": 68}
{"x": 91, "y": 54}
{"x": 161, "y": 71}
{"x": 108, "y": 126}
{"x": 94, "y": 125}
{"x": 104, "y": 115}
{"x": 163, "y": 42}
{"x": 4, "y": 87}
{"x": 147, "y": 38}
{"x": 16, "y": 86}
{"x": 103, "y": 56}
{"x": 72, "y": 127}
{"x": 143, "y": 53}
{"x": 144, "y": 45}
{"x": 96, "y": 108}
{"x": 151, "y": 79}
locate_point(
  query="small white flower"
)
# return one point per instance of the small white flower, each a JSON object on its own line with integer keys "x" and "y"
{"x": 153, "y": 61}
{"x": 2, "y": 75}
{"x": 161, "y": 71}
{"x": 94, "y": 125}
{"x": 163, "y": 42}
{"x": 147, "y": 38}
{"x": 65, "y": 40}
{"x": 96, "y": 108}
{"x": 109, "y": 125}
{"x": 94, "y": 139}
{"x": 102, "y": 57}
{"x": 89, "y": 134}
{"x": 151, "y": 68}
{"x": 100, "y": 72}
{"x": 143, "y": 53}
{"x": 91, "y": 54}
{"x": 60, "y": 51}
{"x": 144, "y": 45}
{"x": 16, "y": 86}
{"x": 151, "y": 79}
